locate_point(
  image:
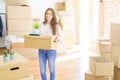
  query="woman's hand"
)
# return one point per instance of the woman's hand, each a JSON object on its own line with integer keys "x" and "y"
{"x": 56, "y": 39}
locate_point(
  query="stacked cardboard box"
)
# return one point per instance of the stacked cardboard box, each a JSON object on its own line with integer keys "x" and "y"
{"x": 115, "y": 33}
{"x": 100, "y": 66}
{"x": 100, "y": 69}
{"x": 116, "y": 54}
{"x": 115, "y": 40}
{"x": 19, "y": 23}
{"x": 17, "y": 2}
{"x": 60, "y": 6}
{"x": 90, "y": 76}
{"x": 19, "y": 20}
{"x": 105, "y": 49}
{"x": 117, "y": 73}
{"x": 16, "y": 68}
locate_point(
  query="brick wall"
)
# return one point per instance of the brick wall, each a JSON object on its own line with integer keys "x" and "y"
{"x": 109, "y": 13}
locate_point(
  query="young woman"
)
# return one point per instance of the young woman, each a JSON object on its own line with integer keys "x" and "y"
{"x": 49, "y": 27}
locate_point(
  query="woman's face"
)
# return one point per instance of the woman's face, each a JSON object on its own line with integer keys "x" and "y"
{"x": 49, "y": 15}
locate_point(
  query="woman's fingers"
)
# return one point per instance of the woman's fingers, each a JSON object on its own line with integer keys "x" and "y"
{"x": 56, "y": 39}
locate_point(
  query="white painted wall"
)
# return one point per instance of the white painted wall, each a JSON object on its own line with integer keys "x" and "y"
{"x": 39, "y": 7}
{"x": 2, "y": 6}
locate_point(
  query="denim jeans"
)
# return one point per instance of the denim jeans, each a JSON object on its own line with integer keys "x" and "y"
{"x": 45, "y": 55}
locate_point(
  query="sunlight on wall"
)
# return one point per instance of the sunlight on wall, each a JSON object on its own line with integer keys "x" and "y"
{"x": 95, "y": 22}
{"x": 89, "y": 22}
{"x": 84, "y": 23}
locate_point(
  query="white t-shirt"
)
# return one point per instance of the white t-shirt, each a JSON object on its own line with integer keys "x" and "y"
{"x": 45, "y": 30}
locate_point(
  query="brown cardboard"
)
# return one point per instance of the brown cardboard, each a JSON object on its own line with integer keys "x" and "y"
{"x": 19, "y": 12}
{"x": 106, "y": 55}
{"x": 40, "y": 42}
{"x": 115, "y": 33}
{"x": 90, "y": 76}
{"x": 60, "y": 6}
{"x": 117, "y": 73}
{"x": 19, "y": 33}
{"x": 99, "y": 66}
{"x": 116, "y": 54}
{"x": 16, "y": 2}
{"x": 104, "y": 47}
{"x": 7, "y": 68}
{"x": 17, "y": 45}
{"x": 30, "y": 77}
{"x": 28, "y": 53}
{"x": 20, "y": 24}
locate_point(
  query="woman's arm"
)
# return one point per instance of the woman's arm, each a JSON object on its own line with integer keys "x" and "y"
{"x": 59, "y": 33}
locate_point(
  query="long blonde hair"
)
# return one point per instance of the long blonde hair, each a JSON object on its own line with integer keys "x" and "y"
{"x": 53, "y": 22}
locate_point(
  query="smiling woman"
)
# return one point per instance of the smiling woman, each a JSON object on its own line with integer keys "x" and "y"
{"x": 49, "y": 27}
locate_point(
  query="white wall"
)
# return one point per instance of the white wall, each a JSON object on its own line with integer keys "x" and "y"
{"x": 39, "y": 7}
{"x": 2, "y": 6}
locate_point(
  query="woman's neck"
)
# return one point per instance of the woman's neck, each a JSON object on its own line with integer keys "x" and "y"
{"x": 48, "y": 22}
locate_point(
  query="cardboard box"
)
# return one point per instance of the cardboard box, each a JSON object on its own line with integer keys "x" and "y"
{"x": 116, "y": 55}
{"x": 16, "y": 2}
{"x": 104, "y": 47}
{"x": 115, "y": 33}
{"x": 19, "y": 12}
{"x": 107, "y": 56}
{"x": 19, "y": 33}
{"x": 60, "y": 6}
{"x": 20, "y": 24}
{"x": 99, "y": 66}
{"x": 90, "y": 76}
{"x": 117, "y": 73}
{"x": 30, "y": 77}
{"x": 40, "y": 42}
{"x": 17, "y": 45}
{"x": 27, "y": 52}
{"x": 16, "y": 68}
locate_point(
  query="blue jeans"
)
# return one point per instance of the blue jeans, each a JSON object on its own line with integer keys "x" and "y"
{"x": 49, "y": 55}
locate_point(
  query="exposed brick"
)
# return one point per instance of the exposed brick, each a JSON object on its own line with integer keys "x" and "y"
{"x": 109, "y": 13}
